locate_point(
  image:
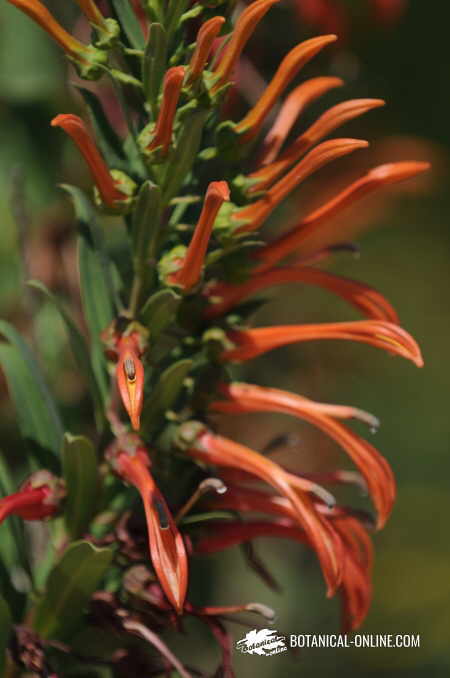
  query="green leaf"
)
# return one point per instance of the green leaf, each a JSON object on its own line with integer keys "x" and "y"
{"x": 5, "y": 631}
{"x": 154, "y": 64}
{"x": 145, "y": 225}
{"x": 107, "y": 139}
{"x": 81, "y": 475}
{"x": 38, "y": 418}
{"x": 165, "y": 393}
{"x": 159, "y": 311}
{"x": 184, "y": 154}
{"x": 96, "y": 283}
{"x": 79, "y": 349}
{"x": 69, "y": 588}
{"x": 129, "y": 22}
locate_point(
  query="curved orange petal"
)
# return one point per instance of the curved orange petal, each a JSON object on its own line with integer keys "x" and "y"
{"x": 130, "y": 380}
{"x": 335, "y": 117}
{"x": 214, "y": 449}
{"x": 166, "y": 544}
{"x": 377, "y": 178}
{"x": 287, "y": 70}
{"x": 204, "y": 42}
{"x": 92, "y": 12}
{"x": 297, "y": 101}
{"x": 173, "y": 82}
{"x": 256, "y": 213}
{"x": 390, "y": 337}
{"x": 242, "y": 32}
{"x": 372, "y": 465}
{"x": 40, "y": 14}
{"x": 192, "y": 263}
{"x": 368, "y": 300}
{"x": 76, "y": 129}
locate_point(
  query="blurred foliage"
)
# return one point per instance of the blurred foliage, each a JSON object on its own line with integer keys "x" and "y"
{"x": 405, "y": 255}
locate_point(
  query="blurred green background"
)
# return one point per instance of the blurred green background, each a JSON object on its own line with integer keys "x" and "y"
{"x": 404, "y": 253}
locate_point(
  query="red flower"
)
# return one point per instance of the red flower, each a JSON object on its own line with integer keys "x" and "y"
{"x": 214, "y": 449}
{"x": 191, "y": 264}
{"x": 390, "y": 337}
{"x": 162, "y": 137}
{"x": 130, "y": 377}
{"x": 167, "y": 552}
{"x": 255, "y": 214}
{"x": 297, "y": 101}
{"x": 243, "y": 30}
{"x": 332, "y": 119}
{"x": 206, "y": 35}
{"x": 38, "y": 498}
{"x": 377, "y": 178}
{"x": 371, "y": 303}
{"x": 374, "y": 468}
{"x": 40, "y": 14}
{"x": 76, "y": 129}
{"x": 287, "y": 70}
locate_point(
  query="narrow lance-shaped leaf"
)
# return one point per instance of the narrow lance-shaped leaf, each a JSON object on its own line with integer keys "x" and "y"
{"x": 69, "y": 587}
{"x": 184, "y": 154}
{"x": 37, "y": 416}
{"x": 81, "y": 476}
{"x": 154, "y": 63}
{"x": 129, "y": 22}
{"x": 97, "y": 289}
{"x": 79, "y": 349}
{"x": 105, "y": 136}
{"x": 145, "y": 225}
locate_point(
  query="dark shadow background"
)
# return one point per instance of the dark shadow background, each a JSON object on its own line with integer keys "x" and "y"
{"x": 405, "y": 254}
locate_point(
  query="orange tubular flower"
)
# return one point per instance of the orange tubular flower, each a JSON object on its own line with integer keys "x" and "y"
{"x": 75, "y": 128}
{"x": 206, "y": 35}
{"x": 374, "y": 468}
{"x": 166, "y": 545}
{"x": 242, "y": 32}
{"x": 40, "y": 14}
{"x": 390, "y": 337}
{"x": 288, "y": 69}
{"x": 297, "y": 101}
{"x": 256, "y": 213}
{"x": 173, "y": 82}
{"x": 130, "y": 378}
{"x": 191, "y": 268}
{"x": 92, "y": 12}
{"x": 377, "y": 178}
{"x": 337, "y": 115}
{"x": 214, "y": 449}
{"x": 38, "y": 498}
{"x": 366, "y": 299}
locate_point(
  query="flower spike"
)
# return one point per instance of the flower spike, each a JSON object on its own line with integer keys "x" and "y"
{"x": 242, "y": 32}
{"x": 336, "y": 117}
{"x": 130, "y": 460}
{"x": 369, "y": 301}
{"x": 390, "y": 337}
{"x": 383, "y": 175}
{"x": 256, "y": 213}
{"x": 374, "y": 468}
{"x": 130, "y": 378}
{"x": 75, "y": 128}
{"x": 206, "y": 35}
{"x": 214, "y": 449}
{"x": 297, "y": 101}
{"x": 190, "y": 271}
{"x": 38, "y": 498}
{"x": 88, "y": 58}
{"x": 288, "y": 69}
{"x": 173, "y": 82}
